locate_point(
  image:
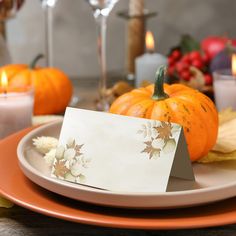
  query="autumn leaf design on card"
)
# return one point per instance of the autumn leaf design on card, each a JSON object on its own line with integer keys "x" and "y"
{"x": 160, "y": 138}
{"x": 70, "y": 162}
{"x": 120, "y": 153}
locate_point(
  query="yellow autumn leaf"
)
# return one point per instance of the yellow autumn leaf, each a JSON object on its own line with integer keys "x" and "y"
{"x": 5, "y": 203}
{"x": 218, "y": 156}
{"x": 226, "y": 139}
{"x": 225, "y": 147}
{"x": 226, "y": 115}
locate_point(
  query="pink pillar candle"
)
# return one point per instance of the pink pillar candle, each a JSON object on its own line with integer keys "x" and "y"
{"x": 16, "y": 111}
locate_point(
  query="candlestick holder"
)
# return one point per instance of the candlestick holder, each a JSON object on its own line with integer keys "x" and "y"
{"x": 136, "y": 37}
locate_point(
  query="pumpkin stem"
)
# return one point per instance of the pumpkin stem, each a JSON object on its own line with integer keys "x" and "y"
{"x": 159, "y": 93}
{"x": 34, "y": 62}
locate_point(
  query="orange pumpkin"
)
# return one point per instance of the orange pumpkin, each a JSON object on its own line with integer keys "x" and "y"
{"x": 53, "y": 89}
{"x": 174, "y": 103}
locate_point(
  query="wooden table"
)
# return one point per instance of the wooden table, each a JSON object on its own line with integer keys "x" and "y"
{"x": 18, "y": 221}
{"x": 21, "y": 222}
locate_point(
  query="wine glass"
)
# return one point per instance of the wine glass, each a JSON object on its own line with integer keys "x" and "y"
{"x": 47, "y": 6}
{"x": 101, "y": 10}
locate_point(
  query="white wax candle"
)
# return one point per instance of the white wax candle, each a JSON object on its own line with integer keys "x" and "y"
{"x": 15, "y": 112}
{"x": 147, "y": 65}
{"x": 224, "y": 89}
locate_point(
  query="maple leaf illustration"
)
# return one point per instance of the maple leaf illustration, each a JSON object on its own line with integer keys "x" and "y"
{"x": 164, "y": 131}
{"x": 60, "y": 169}
{"x": 150, "y": 149}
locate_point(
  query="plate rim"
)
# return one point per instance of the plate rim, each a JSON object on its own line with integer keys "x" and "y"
{"x": 197, "y": 221}
{"x": 159, "y": 226}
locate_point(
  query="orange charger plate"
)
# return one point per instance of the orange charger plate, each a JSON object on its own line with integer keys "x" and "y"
{"x": 17, "y": 188}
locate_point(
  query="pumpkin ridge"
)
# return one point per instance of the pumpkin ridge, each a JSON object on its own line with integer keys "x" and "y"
{"x": 170, "y": 105}
{"x": 213, "y": 114}
{"x": 205, "y": 121}
{"x": 16, "y": 72}
{"x": 139, "y": 109}
{"x": 51, "y": 81}
{"x": 203, "y": 135}
{"x": 17, "y": 69}
{"x": 143, "y": 92}
{"x": 159, "y": 111}
{"x": 19, "y": 77}
{"x": 135, "y": 102}
{"x": 149, "y": 110}
{"x": 42, "y": 84}
{"x": 121, "y": 105}
{"x": 209, "y": 105}
{"x": 65, "y": 96}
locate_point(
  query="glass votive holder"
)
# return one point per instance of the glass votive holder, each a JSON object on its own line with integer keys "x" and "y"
{"x": 224, "y": 89}
{"x": 16, "y": 110}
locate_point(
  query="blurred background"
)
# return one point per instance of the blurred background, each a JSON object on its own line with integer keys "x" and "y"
{"x": 75, "y": 49}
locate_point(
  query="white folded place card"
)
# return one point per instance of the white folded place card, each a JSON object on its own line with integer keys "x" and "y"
{"x": 120, "y": 153}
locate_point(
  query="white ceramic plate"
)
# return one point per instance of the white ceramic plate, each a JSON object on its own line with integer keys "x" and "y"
{"x": 214, "y": 182}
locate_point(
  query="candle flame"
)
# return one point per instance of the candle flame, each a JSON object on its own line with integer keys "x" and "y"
{"x": 149, "y": 41}
{"x": 234, "y": 64}
{"x": 4, "y": 81}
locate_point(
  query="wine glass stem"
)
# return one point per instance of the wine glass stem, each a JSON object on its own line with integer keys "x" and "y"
{"x": 48, "y": 36}
{"x": 101, "y": 42}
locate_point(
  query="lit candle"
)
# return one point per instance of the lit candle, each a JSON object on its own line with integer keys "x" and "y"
{"x": 147, "y": 64}
{"x": 16, "y": 106}
{"x": 225, "y": 86}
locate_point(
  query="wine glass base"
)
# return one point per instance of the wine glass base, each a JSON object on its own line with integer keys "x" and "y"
{"x": 74, "y": 101}
{"x": 102, "y": 105}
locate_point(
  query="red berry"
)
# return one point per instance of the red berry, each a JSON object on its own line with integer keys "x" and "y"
{"x": 206, "y": 59}
{"x": 180, "y": 66}
{"x": 197, "y": 63}
{"x": 208, "y": 79}
{"x": 171, "y": 70}
{"x": 195, "y": 55}
{"x": 186, "y": 59}
{"x": 171, "y": 61}
{"x": 176, "y": 54}
{"x": 185, "y": 75}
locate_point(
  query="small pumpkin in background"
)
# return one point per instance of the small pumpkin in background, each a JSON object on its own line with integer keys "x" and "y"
{"x": 175, "y": 103}
{"x": 52, "y": 88}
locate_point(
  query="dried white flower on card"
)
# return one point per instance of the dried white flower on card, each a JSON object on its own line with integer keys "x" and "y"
{"x": 77, "y": 169}
{"x": 50, "y": 156}
{"x": 69, "y": 154}
{"x": 45, "y": 144}
{"x": 60, "y": 152}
